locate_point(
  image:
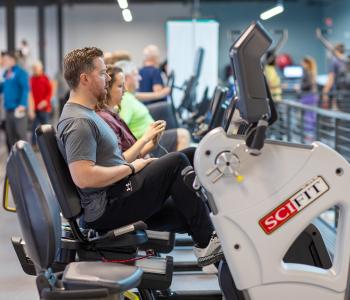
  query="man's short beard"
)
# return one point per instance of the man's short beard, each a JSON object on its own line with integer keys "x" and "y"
{"x": 102, "y": 97}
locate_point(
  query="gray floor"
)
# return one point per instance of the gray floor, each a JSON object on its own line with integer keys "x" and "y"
{"x": 14, "y": 284}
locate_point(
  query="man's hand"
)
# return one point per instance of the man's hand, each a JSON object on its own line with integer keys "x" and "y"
{"x": 139, "y": 164}
{"x": 20, "y": 111}
{"x": 165, "y": 91}
{"x": 325, "y": 101}
{"x": 42, "y": 104}
{"x": 31, "y": 114}
{"x": 20, "y": 108}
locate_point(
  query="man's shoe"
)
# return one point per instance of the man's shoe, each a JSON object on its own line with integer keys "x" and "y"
{"x": 211, "y": 254}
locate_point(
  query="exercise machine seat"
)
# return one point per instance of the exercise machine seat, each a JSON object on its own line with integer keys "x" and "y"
{"x": 115, "y": 277}
{"x": 40, "y": 222}
{"x": 59, "y": 174}
{"x": 67, "y": 193}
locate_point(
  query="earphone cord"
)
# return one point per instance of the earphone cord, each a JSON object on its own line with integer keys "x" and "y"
{"x": 163, "y": 148}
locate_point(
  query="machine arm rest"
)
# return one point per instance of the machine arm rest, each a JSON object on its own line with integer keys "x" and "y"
{"x": 5, "y": 199}
{"x": 75, "y": 294}
{"x": 116, "y": 233}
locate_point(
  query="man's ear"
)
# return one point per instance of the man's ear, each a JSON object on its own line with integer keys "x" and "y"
{"x": 127, "y": 81}
{"x": 84, "y": 79}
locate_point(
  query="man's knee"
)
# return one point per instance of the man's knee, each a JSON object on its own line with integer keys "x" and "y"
{"x": 183, "y": 138}
{"x": 177, "y": 159}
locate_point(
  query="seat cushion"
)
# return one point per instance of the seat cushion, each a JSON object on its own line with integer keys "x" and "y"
{"x": 115, "y": 277}
{"x": 163, "y": 111}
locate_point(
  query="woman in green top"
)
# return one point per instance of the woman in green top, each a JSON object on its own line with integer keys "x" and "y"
{"x": 137, "y": 116}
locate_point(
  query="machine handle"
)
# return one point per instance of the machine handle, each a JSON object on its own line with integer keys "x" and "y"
{"x": 256, "y": 138}
{"x": 5, "y": 198}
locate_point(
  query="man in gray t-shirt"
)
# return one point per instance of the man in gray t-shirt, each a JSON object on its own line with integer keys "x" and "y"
{"x": 88, "y": 144}
{"x": 80, "y": 133}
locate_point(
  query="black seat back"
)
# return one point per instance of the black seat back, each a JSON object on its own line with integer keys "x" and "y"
{"x": 162, "y": 111}
{"x": 204, "y": 104}
{"x": 217, "y": 109}
{"x": 36, "y": 205}
{"x": 61, "y": 180}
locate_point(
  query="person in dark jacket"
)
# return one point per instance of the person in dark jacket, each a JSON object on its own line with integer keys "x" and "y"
{"x": 15, "y": 90}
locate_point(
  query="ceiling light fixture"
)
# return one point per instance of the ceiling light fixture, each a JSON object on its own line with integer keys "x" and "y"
{"x": 127, "y": 15}
{"x": 123, "y": 4}
{"x": 279, "y": 8}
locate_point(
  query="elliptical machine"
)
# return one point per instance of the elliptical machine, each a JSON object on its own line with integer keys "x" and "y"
{"x": 263, "y": 194}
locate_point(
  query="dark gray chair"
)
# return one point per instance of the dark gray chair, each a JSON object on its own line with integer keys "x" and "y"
{"x": 69, "y": 201}
{"x": 40, "y": 222}
{"x": 121, "y": 244}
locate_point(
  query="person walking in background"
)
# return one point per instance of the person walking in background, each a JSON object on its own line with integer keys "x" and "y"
{"x": 335, "y": 68}
{"x": 62, "y": 91}
{"x": 2, "y": 113}
{"x": 2, "y": 67}
{"x": 309, "y": 95}
{"x": 272, "y": 77}
{"x": 15, "y": 90}
{"x": 24, "y": 55}
{"x": 151, "y": 76}
{"x": 41, "y": 95}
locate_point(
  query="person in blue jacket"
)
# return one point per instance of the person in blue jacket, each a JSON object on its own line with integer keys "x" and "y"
{"x": 15, "y": 90}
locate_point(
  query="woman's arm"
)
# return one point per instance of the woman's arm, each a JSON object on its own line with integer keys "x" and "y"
{"x": 147, "y": 148}
{"x": 145, "y": 144}
{"x": 146, "y": 96}
{"x": 135, "y": 150}
{"x": 31, "y": 107}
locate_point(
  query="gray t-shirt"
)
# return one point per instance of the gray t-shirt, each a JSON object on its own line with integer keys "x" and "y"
{"x": 337, "y": 67}
{"x": 83, "y": 135}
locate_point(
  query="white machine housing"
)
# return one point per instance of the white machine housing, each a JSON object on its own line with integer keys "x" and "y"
{"x": 245, "y": 213}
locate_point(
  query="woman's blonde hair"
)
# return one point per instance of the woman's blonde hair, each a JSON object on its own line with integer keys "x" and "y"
{"x": 112, "y": 71}
{"x": 311, "y": 67}
{"x": 112, "y": 58}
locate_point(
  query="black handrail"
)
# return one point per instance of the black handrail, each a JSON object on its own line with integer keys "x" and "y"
{"x": 304, "y": 124}
{"x": 320, "y": 111}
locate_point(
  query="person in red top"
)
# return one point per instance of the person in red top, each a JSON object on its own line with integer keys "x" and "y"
{"x": 41, "y": 93}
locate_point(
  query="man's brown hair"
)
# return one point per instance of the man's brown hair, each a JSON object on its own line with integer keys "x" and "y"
{"x": 11, "y": 54}
{"x": 79, "y": 61}
{"x": 340, "y": 47}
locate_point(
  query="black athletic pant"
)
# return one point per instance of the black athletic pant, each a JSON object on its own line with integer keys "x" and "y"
{"x": 16, "y": 128}
{"x": 144, "y": 196}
